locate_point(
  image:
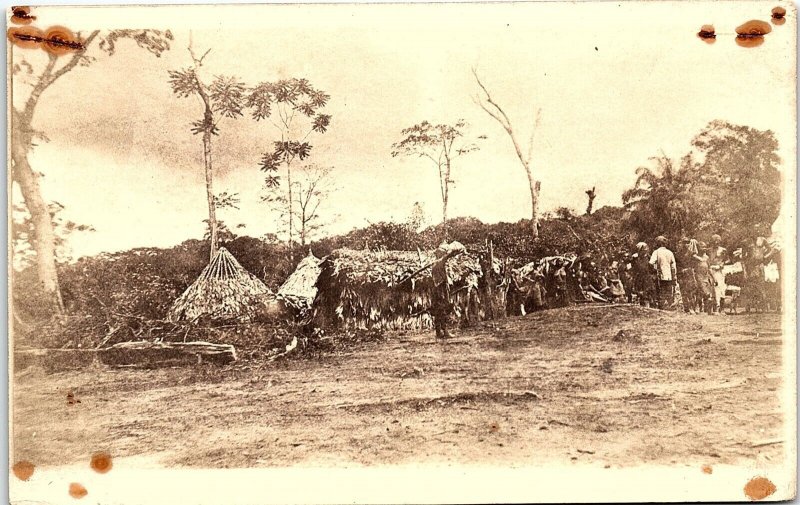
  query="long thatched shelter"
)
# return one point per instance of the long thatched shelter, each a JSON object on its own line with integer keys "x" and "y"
{"x": 224, "y": 290}
{"x": 372, "y": 289}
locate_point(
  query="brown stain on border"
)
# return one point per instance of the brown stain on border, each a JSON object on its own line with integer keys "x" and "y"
{"x": 101, "y": 462}
{"x": 23, "y": 469}
{"x": 707, "y": 34}
{"x": 751, "y": 33}
{"x": 77, "y": 491}
{"x": 707, "y": 469}
{"x": 60, "y": 40}
{"x": 778, "y": 15}
{"x": 759, "y": 488}
{"x": 57, "y": 40}
{"x": 21, "y": 15}
{"x": 25, "y": 37}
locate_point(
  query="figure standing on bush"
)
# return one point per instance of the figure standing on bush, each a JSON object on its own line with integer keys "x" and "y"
{"x": 441, "y": 307}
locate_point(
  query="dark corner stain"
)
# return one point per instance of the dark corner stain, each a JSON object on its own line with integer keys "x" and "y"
{"x": 57, "y": 40}
{"x": 101, "y": 462}
{"x": 77, "y": 490}
{"x": 751, "y": 33}
{"x": 759, "y": 488}
{"x": 21, "y": 15}
{"x": 23, "y": 469}
{"x": 26, "y": 37}
{"x": 707, "y": 34}
{"x": 778, "y": 16}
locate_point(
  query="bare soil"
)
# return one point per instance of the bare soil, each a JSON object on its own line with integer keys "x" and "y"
{"x": 605, "y": 385}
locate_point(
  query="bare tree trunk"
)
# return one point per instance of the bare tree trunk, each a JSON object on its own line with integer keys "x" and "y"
{"x": 445, "y": 193}
{"x": 591, "y": 194}
{"x": 536, "y": 187}
{"x": 212, "y": 208}
{"x": 444, "y": 216}
{"x": 500, "y": 116}
{"x": 44, "y": 235}
{"x": 291, "y": 210}
{"x": 21, "y": 128}
{"x": 208, "y": 126}
{"x": 303, "y": 221}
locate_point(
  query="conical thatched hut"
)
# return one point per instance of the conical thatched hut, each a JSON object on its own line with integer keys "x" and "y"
{"x": 223, "y": 291}
{"x": 300, "y": 289}
{"x": 367, "y": 289}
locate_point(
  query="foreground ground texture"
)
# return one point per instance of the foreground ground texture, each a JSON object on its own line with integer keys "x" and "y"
{"x": 600, "y": 385}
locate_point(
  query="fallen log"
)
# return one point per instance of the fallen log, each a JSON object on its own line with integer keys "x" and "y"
{"x": 166, "y": 353}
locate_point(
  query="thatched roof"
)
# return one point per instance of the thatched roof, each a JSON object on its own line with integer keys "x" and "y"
{"x": 368, "y": 289}
{"x": 223, "y": 291}
{"x": 300, "y": 289}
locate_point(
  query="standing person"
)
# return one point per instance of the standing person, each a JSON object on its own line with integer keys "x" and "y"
{"x": 440, "y": 301}
{"x": 538, "y": 293}
{"x": 704, "y": 279}
{"x": 644, "y": 283}
{"x": 716, "y": 260}
{"x": 754, "y": 267}
{"x": 560, "y": 283}
{"x": 686, "y": 280}
{"x": 666, "y": 269}
{"x": 625, "y": 275}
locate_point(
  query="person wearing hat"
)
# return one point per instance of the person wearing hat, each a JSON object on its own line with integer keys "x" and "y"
{"x": 663, "y": 261}
{"x": 440, "y": 300}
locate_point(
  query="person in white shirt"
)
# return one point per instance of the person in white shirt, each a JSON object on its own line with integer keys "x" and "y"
{"x": 663, "y": 261}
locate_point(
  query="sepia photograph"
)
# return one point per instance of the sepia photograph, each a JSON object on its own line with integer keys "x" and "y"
{"x": 402, "y": 252}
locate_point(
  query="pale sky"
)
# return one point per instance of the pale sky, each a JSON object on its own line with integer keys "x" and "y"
{"x": 616, "y": 84}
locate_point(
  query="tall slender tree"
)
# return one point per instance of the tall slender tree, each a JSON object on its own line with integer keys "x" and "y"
{"x": 441, "y": 144}
{"x": 63, "y": 53}
{"x": 487, "y": 103}
{"x": 312, "y": 184}
{"x": 294, "y": 107}
{"x": 222, "y": 97}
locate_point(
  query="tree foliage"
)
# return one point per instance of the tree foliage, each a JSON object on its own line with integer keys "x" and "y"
{"x": 728, "y": 184}
{"x": 295, "y": 109}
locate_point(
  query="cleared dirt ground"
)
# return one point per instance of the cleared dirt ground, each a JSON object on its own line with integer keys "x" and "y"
{"x": 605, "y": 385}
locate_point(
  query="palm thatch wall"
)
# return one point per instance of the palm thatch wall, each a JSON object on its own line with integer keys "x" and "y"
{"x": 367, "y": 289}
{"x": 300, "y": 289}
{"x": 223, "y": 291}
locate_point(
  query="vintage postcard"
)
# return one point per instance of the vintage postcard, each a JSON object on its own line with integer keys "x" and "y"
{"x": 402, "y": 253}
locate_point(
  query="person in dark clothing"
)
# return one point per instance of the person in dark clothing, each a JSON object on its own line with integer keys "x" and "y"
{"x": 441, "y": 307}
{"x": 643, "y": 276}
{"x": 684, "y": 258}
{"x": 560, "y": 284}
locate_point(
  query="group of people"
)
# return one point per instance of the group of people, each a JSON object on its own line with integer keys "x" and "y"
{"x": 694, "y": 276}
